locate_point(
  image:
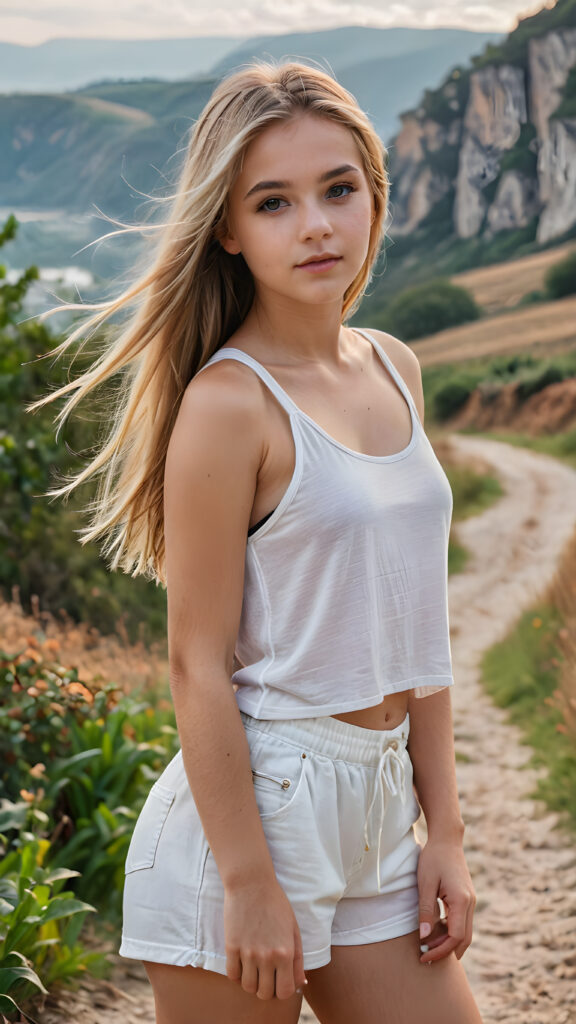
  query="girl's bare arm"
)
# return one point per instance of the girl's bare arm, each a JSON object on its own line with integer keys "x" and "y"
{"x": 431, "y": 746}
{"x": 212, "y": 465}
{"x": 442, "y": 869}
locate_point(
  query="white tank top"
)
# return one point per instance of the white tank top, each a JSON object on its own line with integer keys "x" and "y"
{"x": 345, "y": 587}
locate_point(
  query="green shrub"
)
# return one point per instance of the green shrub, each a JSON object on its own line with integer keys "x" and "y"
{"x": 40, "y": 924}
{"x": 430, "y": 307}
{"x": 451, "y": 397}
{"x": 521, "y": 157}
{"x": 40, "y": 701}
{"x": 560, "y": 279}
{"x": 77, "y": 762}
{"x": 539, "y": 379}
{"x": 537, "y": 295}
{"x": 99, "y": 790}
{"x": 39, "y": 549}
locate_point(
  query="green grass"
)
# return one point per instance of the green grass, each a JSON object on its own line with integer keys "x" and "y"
{"x": 520, "y": 673}
{"x": 473, "y": 493}
{"x": 457, "y": 557}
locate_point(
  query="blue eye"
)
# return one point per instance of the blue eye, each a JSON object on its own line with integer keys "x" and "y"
{"x": 268, "y": 208}
{"x": 349, "y": 187}
{"x": 273, "y": 199}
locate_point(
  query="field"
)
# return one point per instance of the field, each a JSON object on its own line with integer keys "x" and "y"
{"x": 541, "y": 327}
{"x": 496, "y": 290}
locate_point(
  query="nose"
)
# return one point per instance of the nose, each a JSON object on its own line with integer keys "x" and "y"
{"x": 314, "y": 221}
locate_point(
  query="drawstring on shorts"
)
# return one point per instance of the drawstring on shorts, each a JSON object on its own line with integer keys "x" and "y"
{"x": 390, "y": 778}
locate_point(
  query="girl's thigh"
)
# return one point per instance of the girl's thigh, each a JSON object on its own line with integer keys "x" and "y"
{"x": 385, "y": 983}
{"x": 193, "y": 995}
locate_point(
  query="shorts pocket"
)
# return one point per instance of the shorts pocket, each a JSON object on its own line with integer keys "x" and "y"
{"x": 148, "y": 829}
{"x": 278, "y": 773}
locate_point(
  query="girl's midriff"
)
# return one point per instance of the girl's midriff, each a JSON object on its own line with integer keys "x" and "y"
{"x": 386, "y": 715}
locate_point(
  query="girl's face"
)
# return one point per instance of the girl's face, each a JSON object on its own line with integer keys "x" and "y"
{"x": 302, "y": 194}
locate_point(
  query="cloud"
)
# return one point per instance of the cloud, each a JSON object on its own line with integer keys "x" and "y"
{"x": 33, "y": 21}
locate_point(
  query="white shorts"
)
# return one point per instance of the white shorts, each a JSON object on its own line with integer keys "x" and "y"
{"x": 338, "y": 809}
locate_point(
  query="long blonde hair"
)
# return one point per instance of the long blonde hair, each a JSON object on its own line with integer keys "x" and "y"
{"x": 191, "y": 300}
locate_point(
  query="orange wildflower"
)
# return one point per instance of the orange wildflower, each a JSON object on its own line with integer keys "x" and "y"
{"x": 31, "y": 655}
{"x": 81, "y": 691}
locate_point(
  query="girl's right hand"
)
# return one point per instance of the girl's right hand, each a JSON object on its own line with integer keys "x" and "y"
{"x": 263, "y": 943}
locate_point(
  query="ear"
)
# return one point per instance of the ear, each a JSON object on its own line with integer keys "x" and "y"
{"x": 230, "y": 244}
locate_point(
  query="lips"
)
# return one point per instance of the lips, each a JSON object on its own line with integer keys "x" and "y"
{"x": 321, "y": 258}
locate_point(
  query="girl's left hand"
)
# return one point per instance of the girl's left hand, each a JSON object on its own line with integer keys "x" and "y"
{"x": 443, "y": 872}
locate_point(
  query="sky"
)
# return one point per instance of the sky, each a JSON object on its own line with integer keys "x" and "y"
{"x": 30, "y": 22}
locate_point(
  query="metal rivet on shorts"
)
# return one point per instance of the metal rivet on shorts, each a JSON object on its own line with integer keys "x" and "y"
{"x": 286, "y": 783}
{"x": 303, "y": 755}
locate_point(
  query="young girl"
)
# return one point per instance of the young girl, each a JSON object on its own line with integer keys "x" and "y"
{"x": 269, "y": 464}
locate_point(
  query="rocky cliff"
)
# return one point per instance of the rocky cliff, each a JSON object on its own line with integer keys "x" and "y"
{"x": 495, "y": 144}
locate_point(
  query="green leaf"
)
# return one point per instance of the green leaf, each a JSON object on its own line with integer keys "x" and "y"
{"x": 79, "y": 758}
{"x": 72, "y": 930}
{"x": 64, "y": 907}
{"x": 14, "y": 959}
{"x": 60, "y": 873}
{"x": 7, "y": 1005}
{"x": 10, "y": 975}
{"x": 29, "y": 854}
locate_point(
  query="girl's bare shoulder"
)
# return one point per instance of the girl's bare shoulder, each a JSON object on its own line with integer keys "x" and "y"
{"x": 406, "y": 362}
{"x": 226, "y": 394}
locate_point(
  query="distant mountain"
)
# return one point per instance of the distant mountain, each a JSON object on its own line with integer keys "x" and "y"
{"x": 100, "y": 145}
{"x": 62, "y": 64}
{"x": 345, "y": 47}
{"x": 386, "y": 69}
{"x": 72, "y": 151}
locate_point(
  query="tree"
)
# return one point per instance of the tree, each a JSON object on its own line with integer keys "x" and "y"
{"x": 39, "y": 550}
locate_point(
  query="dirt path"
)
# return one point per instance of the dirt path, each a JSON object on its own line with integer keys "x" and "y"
{"x": 522, "y": 964}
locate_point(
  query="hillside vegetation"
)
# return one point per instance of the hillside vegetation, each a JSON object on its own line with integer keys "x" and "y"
{"x": 40, "y": 554}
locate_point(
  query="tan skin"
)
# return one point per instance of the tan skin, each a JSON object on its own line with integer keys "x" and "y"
{"x": 231, "y": 456}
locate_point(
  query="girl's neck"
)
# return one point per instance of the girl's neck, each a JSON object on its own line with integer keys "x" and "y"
{"x": 284, "y": 336}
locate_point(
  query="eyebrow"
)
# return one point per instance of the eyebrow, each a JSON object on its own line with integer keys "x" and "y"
{"x": 266, "y": 186}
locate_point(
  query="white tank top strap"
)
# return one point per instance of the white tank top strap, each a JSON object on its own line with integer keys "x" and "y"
{"x": 391, "y": 368}
{"x": 243, "y": 357}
